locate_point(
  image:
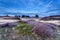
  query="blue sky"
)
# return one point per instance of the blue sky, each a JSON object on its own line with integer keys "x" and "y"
{"x": 40, "y": 7}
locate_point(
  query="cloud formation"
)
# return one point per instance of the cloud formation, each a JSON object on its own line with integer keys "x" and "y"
{"x": 42, "y": 7}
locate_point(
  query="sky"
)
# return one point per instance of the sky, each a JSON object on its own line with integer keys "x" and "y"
{"x": 40, "y": 7}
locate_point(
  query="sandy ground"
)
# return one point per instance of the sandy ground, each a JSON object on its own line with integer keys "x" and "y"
{"x": 36, "y": 19}
{"x": 52, "y": 21}
{"x": 3, "y": 21}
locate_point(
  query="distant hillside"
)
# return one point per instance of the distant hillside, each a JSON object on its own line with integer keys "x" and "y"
{"x": 53, "y": 17}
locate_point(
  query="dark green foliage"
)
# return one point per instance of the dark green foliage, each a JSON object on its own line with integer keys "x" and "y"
{"x": 25, "y": 16}
{"x": 36, "y": 16}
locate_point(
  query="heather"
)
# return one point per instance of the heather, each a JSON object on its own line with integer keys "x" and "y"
{"x": 33, "y": 28}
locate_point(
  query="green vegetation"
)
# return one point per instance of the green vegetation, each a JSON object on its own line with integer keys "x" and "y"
{"x": 24, "y": 29}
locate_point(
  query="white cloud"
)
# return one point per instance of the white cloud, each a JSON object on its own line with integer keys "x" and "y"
{"x": 31, "y": 6}
{"x": 20, "y": 11}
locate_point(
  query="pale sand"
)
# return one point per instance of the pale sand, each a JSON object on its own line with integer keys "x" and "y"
{"x": 3, "y": 21}
{"x": 50, "y": 21}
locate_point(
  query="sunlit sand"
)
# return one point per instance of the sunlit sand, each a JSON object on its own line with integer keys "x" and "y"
{"x": 3, "y": 21}
{"x": 49, "y": 21}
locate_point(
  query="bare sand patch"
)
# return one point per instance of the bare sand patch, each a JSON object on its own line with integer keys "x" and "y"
{"x": 3, "y": 21}
{"x": 49, "y": 21}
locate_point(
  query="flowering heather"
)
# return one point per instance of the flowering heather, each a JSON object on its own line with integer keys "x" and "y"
{"x": 42, "y": 29}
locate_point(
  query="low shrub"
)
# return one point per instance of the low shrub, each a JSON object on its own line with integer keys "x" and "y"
{"x": 23, "y": 29}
